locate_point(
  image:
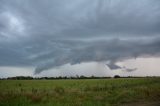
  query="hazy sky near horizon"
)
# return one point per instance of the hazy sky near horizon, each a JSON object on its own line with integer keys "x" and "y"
{"x": 45, "y": 37}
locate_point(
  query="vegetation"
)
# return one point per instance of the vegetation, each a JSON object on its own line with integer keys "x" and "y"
{"x": 83, "y": 92}
{"x": 50, "y": 78}
{"x": 65, "y": 77}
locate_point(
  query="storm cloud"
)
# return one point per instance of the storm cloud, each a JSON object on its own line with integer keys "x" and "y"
{"x": 51, "y": 33}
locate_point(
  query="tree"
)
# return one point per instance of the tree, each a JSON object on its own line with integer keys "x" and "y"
{"x": 117, "y": 76}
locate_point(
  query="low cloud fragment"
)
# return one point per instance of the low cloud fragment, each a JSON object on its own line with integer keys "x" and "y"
{"x": 114, "y": 66}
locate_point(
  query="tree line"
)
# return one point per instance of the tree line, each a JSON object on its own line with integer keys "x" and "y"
{"x": 66, "y": 77}
{"x": 50, "y": 78}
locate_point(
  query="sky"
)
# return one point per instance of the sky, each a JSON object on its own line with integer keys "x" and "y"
{"x": 79, "y": 37}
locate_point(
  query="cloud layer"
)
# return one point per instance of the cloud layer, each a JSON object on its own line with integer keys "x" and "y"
{"x": 47, "y": 34}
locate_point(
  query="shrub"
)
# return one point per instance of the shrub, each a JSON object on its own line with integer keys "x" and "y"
{"x": 117, "y": 76}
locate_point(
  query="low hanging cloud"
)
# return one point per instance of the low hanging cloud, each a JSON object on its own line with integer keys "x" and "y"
{"x": 48, "y": 34}
{"x": 102, "y": 51}
{"x": 113, "y": 66}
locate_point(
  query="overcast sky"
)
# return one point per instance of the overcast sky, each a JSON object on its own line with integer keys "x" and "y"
{"x": 46, "y": 37}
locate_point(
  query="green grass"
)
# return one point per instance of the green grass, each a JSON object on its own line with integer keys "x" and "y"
{"x": 93, "y": 92}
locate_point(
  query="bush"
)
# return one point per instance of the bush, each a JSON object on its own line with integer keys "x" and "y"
{"x": 117, "y": 76}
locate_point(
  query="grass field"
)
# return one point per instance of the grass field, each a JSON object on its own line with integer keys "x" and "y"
{"x": 91, "y": 92}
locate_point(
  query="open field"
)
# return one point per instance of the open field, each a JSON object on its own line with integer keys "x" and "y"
{"x": 89, "y": 92}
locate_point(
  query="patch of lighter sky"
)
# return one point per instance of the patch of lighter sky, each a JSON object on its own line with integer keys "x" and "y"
{"x": 145, "y": 67}
{"x": 15, "y": 71}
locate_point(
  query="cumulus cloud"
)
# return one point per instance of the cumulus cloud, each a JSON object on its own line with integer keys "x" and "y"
{"x": 47, "y": 34}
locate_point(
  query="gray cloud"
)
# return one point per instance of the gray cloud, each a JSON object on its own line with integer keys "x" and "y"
{"x": 113, "y": 66}
{"x": 129, "y": 70}
{"x": 47, "y": 34}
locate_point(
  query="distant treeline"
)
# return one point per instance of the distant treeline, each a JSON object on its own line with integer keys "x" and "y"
{"x": 50, "y": 78}
{"x": 65, "y": 77}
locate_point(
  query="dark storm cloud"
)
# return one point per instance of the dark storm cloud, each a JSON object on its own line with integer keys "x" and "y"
{"x": 113, "y": 66}
{"x": 51, "y": 33}
{"x": 109, "y": 50}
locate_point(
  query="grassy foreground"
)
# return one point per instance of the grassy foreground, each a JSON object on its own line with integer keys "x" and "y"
{"x": 93, "y": 92}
